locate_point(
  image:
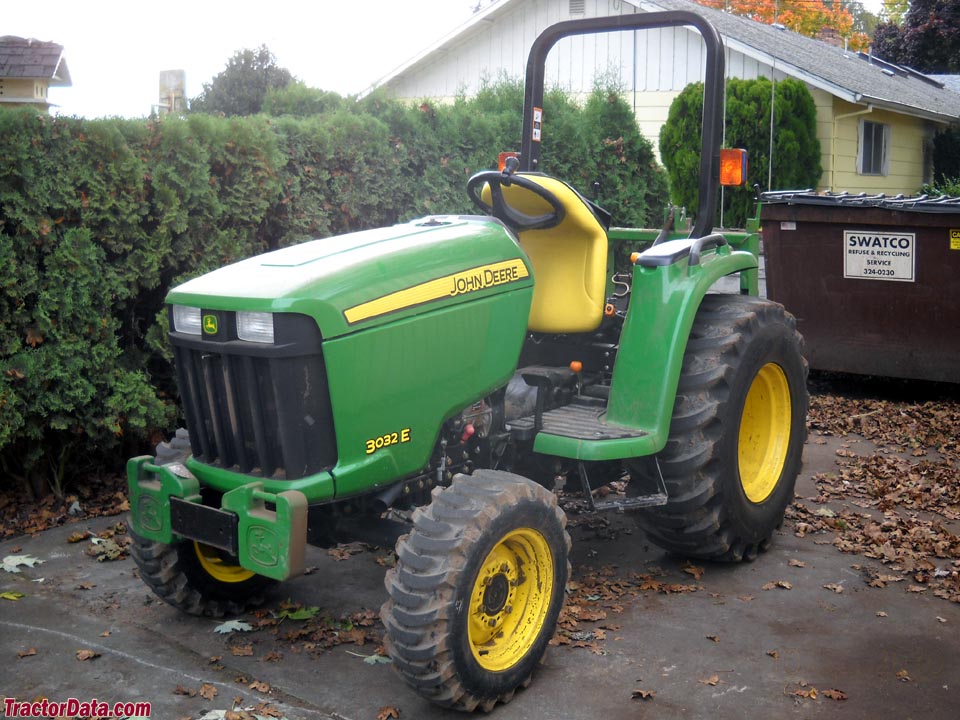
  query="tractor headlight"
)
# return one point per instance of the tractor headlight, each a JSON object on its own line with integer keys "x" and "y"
{"x": 255, "y": 327}
{"x": 186, "y": 319}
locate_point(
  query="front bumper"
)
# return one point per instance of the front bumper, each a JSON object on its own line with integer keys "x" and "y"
{"x": 267, "y": 532}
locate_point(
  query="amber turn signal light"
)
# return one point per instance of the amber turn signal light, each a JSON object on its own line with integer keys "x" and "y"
{"x": 733, "y": 167}
{"x": 502, "y": 159}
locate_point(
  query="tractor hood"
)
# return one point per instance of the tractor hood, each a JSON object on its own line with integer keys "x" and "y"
{"x": 363, "y": 279}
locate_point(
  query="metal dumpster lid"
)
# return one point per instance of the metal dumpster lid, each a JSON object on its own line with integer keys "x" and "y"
{"x": 910, "y": 203}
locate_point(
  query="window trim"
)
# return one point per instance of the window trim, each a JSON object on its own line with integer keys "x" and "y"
{"x": 885, "y": 133}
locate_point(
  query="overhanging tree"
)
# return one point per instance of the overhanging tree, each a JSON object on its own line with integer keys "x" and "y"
{"x": 928, "y": 40}
{"x": 807, "y": 17}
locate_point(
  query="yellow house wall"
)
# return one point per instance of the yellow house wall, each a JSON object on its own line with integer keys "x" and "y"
{"x": 18, "y": 91}
{"x": 906, "y": 165}
{"x": 823, "y": 101}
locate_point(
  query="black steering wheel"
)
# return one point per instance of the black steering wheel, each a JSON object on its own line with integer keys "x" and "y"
{"x": 500, "y": 209}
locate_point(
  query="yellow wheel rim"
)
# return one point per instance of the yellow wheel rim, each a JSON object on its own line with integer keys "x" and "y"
{"x": 215, "y": 567}
{"x": 510, "y": 599}
{"x": 764, "y": 433}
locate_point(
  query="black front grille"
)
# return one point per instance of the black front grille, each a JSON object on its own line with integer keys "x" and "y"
{"x": 263, "y": 410}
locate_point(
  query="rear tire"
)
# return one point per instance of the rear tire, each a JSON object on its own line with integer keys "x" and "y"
{"x": 190, "y": 576}
{"x": 477, "y": 590}
{"x": 736, "y": 437}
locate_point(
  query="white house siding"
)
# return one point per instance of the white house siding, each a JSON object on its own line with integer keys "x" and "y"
{"x": 652, "y": 66}
{"x": 499, "y": 46}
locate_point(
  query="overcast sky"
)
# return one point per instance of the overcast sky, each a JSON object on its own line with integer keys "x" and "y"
{"x": 115, "y": 49}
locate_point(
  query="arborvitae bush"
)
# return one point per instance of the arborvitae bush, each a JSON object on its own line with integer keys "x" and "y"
{"x": 796, "y": 149}
{"x": 99, "y": 218}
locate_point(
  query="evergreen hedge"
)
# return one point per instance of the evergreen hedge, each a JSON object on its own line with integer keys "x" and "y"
{"x": 99, "y": 218}
{"x": 796, "y": 149}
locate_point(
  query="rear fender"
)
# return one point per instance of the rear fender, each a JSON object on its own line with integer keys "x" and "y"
{"x": 663, "y": 303}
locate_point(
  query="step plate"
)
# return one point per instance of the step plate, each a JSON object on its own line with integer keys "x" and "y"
{"x": 581, "y": 422}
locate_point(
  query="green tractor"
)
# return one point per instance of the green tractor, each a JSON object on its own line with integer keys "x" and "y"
{"x": 430, "y": 385}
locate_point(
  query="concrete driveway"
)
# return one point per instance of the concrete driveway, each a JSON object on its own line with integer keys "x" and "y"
{"x": 717, "y": 646}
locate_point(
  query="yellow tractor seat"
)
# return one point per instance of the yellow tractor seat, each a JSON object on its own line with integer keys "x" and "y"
{"x": 569, "y": 260}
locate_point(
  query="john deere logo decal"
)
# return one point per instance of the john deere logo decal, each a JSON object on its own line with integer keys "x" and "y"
{"x": 210, "y": 326}
{"x": 460, "y": 283}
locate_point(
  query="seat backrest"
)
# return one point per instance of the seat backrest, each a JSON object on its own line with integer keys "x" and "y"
{"x": 569, "y": 260}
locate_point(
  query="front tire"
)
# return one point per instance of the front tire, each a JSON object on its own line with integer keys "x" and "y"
{"x": 195, "y": 578}
{"x": 477, "y": 590}
{"x": 737, "y": 433}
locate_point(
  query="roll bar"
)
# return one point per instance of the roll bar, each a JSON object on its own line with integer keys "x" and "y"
{"x": 712, "y": 133}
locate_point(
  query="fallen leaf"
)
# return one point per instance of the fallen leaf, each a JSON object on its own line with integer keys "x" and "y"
{"x": 377, "y": 660}
{"x": 26, "y": 653}
{"x": 13, "y": 563}
{"x": 835, "y": 587}
{"x": 86, "y": 586}
{"x": 268, "y": 711}
{"x": 941, "y": 619}
{"x": 343, "y": 553}
{"x": 297, "y": 613}
{"x": 745, "y": 598}
{"x": 273, "y": 656}
{"x": 642, "y": 695}
{"x": 797, "y": 563}
{"x": 694, "y": 570}
{"x": 12, "y": 595}
{"x": 260, "y": 686}
{"x": 774, "y": 654}
{"x": 881, "y": 613}
{"x": 208, "y": 691}
{"x": 903, "y": 676}
{"x": 388, "y": 712}
{"x": 78, "y": 536}
{"x": 241, "y": 650}
{"x": 105, "y": 550}
{"x": 87, "y": 654}
{"x": 713, "y": 638}
{"x": 835, "y": 694}
{"x": 783, "y": 584}
{"x": 233, "y": 626}
{"x": 105, "y": 633}
{"x": 712, "y": 680}
{"x": 181, "y": 690}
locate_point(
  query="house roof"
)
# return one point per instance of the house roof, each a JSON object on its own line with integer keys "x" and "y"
{"x": 25, "y": 58}
{"x": 849, "y": 75}
{"x": 852, "y": 76}
{"x": 950, "y": 82}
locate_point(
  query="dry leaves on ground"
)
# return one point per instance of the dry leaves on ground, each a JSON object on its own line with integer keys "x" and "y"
{"x": 313, "y": 630}
{"x": 97, "y": 496}
{"x": 594, "y": 594}
{"x": 904, "y": 509}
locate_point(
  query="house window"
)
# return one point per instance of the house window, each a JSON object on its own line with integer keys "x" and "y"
{"x": 873, "y": 155}
{"x": 578, "y": 7}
